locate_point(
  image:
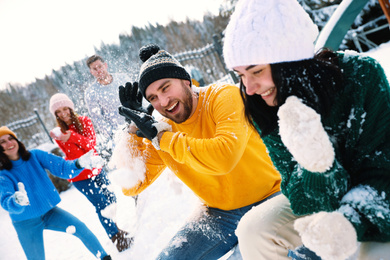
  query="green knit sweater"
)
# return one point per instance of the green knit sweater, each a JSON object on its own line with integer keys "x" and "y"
{"x": 358, "y": 184}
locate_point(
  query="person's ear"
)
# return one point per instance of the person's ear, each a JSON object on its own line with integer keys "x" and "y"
{"x": 187, "y": 83}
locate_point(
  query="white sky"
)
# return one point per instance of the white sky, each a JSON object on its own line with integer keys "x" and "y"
{"x": 37, "y": 36}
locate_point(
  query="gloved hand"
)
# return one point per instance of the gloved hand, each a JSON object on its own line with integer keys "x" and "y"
{"x": 144, "y": 122}
{"x": 131, "y": 97}
{"x": 90, "y": 161}
{"x": 21, "y": 195}
{"x": 147, "y": 125}
{"x": 304, "y": 136}
{"x": 329, "y": 234}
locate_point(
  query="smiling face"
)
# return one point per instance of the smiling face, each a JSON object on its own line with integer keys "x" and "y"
{"x": 172, "y": 98}
{"x": 63, "y": 113}
{"x": 10, "y": 147}
{"x": 257, "y": 80}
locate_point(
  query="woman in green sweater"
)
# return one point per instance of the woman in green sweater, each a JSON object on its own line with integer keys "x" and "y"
{"x": 325, "y": 120}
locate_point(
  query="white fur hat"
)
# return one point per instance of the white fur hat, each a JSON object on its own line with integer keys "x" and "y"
{"x": 268, "y": 31}
{"x": 60, "y": 100}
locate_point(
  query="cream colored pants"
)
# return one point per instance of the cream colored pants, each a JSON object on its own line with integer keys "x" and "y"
{"x": 267, "y": 232}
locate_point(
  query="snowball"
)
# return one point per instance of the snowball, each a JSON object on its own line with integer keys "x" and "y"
{"x": 122, "y": 155}
{"x": 110, "y": 212}
{"x": 57, "y": 131}
{"x": 128, "y": 165}
{"x": 128, "y": 178}
{"x": 71, "y": 229}
{"x": 95, "y": 171}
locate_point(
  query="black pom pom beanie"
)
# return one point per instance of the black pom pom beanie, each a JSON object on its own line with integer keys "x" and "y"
{"x": 158, "y": 64}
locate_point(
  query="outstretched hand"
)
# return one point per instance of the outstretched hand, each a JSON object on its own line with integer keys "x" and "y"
{"x": 21, "y": 195}
{"x": 131, "y": 97}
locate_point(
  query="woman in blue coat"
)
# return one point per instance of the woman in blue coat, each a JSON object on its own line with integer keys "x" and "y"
{"x": 30, "y": 197}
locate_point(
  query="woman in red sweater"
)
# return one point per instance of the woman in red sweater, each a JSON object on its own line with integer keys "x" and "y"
{"x": 75, "y": 135}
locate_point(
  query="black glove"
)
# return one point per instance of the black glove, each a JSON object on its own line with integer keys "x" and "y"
{"x": 143, "y": 121}
{"x": 131, "y": 97}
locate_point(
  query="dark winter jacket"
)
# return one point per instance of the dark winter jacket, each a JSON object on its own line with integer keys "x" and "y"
{"x": 41, "y": 192}
{"x": 358, "y": 183}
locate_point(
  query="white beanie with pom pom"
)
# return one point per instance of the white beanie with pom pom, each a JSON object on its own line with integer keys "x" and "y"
{"x": 268, "y": 31}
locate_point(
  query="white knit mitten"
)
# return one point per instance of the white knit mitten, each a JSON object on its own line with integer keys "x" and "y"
{"x": 304, "y": 136}
{"x": 21, "y": 195}
{"x": 329, "y": 234}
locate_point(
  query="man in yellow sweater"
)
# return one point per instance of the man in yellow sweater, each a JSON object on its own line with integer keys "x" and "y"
{"x": 204, "y": 140}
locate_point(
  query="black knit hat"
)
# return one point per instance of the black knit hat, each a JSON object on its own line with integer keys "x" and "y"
{"x": 158, "y": 64}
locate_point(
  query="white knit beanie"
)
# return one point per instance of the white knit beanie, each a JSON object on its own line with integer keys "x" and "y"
{"x": 268, "y": 31}
{"x": 60, "y": 100}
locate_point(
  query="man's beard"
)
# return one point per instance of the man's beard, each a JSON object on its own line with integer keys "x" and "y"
{"x": 187, "y": 107}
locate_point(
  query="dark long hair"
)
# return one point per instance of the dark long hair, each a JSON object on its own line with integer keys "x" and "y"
{"x": 315, "y": 81}
{"x": 75, "y": 120}
{"x": 5, "y": 162}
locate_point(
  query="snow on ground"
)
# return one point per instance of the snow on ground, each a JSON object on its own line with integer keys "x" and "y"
{"x": 161, "y": 210}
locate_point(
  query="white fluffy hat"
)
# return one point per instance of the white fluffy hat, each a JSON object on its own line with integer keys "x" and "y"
{"x": 60, "y": 100}
{"x": 268, "y": 31}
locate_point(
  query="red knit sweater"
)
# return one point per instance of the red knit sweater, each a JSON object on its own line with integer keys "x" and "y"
{"x": 79, "y": 144}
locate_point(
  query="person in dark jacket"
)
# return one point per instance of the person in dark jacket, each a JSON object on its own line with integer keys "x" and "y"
{"x": 324, "y": 117}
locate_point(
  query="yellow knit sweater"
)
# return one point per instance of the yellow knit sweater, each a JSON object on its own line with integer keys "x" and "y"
{"x": 215, "y": 153}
